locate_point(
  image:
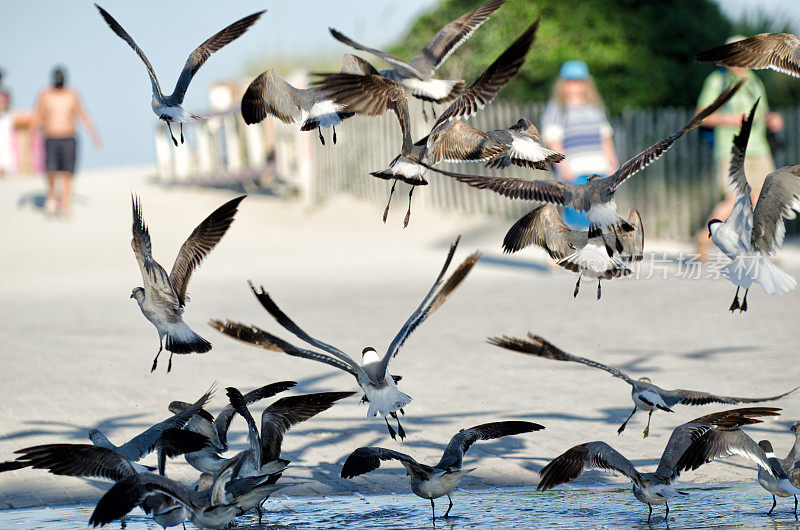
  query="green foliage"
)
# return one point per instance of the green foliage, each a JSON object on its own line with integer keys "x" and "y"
{"x": 640, "y": 52}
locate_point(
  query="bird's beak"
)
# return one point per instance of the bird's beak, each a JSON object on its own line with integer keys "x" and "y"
{"x": 131, "y": 295}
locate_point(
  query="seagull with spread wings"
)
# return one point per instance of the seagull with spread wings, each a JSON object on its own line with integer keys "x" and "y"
{"x": 596, "y": 197}
{"x": 271, "y": 95}
{"x": 776, "y": 51}
{"x": 593, "y": 258}
{"x": 163, "y": 297}
{"x": 372, "y": 374}
{"x": 450, "y": 139}
{"x": 645, "y": 395}
{"x": 692, "y": 444}
{"x": 432, "y": 482}
{"x": 168, "y": 107}
{"x": 416, "y": 75}
{"x": 749, "y": 237}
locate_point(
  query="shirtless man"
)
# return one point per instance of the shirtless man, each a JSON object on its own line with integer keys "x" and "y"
{"x": 57, "y": 110}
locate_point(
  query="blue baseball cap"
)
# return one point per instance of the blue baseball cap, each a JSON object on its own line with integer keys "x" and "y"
{"x": 574, "y": 70}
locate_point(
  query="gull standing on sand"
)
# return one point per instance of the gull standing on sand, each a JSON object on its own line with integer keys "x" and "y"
{"x": 270, "y": 95}
{"x": 692, "y": 444}
{"x": 645, "y": 395}
{"x": 372, "y": 374}
{"x": 416, "y": 75}
{"x": 750, "y": 236}
{"x": 593, "y": 258}
{"x": 168, "y": 107}
{"x": 163, "y": 297}
{"x": 596, "y": 197}
{"x": 440, "y": 480}
{"x": 777, "y": 51}
{"x": 449, "y": 139}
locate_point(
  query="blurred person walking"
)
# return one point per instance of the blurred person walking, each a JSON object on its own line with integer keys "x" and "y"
{"x": 57, "y": 110}
{"x": 726, "y": 122}
{"x": 6, "y": 126}
{"x": 574, "y": 123}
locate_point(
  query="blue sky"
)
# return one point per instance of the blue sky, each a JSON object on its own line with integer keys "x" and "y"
{"x": 35, "y": 35}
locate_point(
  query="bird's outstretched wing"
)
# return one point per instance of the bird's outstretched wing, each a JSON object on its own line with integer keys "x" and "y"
{"x": 225, "y": 416}
{"x": 263, "y": 339}
{"x": 201, "y": 54}
{"x": 777, "y": 51}
{"x": 544, "y": 228}
{"x": 459, "y": 142}
{"x": 270, "y": 95}
{"x": 694, "y": 397}
{"x": 142, "y": 444}
{"x": 286, "y": 412}
{"x": 239, "y": 404}
{"x": 779, "y": 200}
{"x": 157, "y": 286}
{"x": 654, "y": 152}
{"x": 366, "y": 459}
{"x": 432, "y": 301}
{"x": 200, "y": 242}
{"x": 451, "y": 36}
{"x": 591, "y": 455}
{"x": 77, "y": 460}
{"x": 538, "y": 346}
{"x": 463, "y": 440}
{"x": 272, "y": 308}
{"x": 492, "y": 80}
{"x": 121, "y": 33}
{"x": 395, "y": 61}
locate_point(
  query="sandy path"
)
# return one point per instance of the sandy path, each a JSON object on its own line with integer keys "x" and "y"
{"x": 76, "y": 352}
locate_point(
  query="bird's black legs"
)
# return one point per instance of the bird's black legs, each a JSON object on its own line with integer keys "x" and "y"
{"x": 400, "y": 431}
{"x": 334, "y": 134}
{"x": 774, "y": 502}
{"x": 447, "y": 513}
{"x": 795, "y": 506}
{"x": 392, "y": 432}
{"x": 577, "y": 287}
{"x": 408, "y": 213}
{"x": 666, "y": 514}
{"x": 169, "y": 365}
{"x": 744, "y": 301}
{"x": 181, "y": 132}
{"x": 433, "y": 512}
{"x": 321, "y": 138}
{"x": 647, "y": 427}
{"x": 155, "y": 361}
{"x": 598, "y": 288}
{"x": 650, "y": 513}
{"x": 625, "y": 423}
{"x": 184, "y": 525}
{"x": 433, "y": 110}
{"x": 735, "y": 305}
{"x": 386, "y": 211}
{"x": 174, "y": 141}
{"x": 258, "y": 509}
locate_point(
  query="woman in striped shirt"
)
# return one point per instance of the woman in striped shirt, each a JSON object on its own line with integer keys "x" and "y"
{"x": 574, "y": 123}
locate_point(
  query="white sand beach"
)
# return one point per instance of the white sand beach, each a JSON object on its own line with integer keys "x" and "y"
{"x": 76, "y": 351}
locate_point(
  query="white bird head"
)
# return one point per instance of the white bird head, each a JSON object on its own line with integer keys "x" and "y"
{"x": 369, "y": 355}
{"x": 713, "y": 226}
{"x": 97, "y": 437}
{"x": 644, "y": 380}
{"x": 138, "y": 294}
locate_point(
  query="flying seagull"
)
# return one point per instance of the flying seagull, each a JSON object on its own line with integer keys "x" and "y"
{"x": 448, "y": 140}
{"x": 209, "y": 459}
{"x": 440, "y": 480}
{"x": 692, "y": 444}
{"x": 777, "y": 51}
{"x": 168, "y": 107}
{"x": 596, "y": 197}
{"x": 523, "y": 146}
{"x": 645, "y": 395}
{"x": 750, "y": 236}
{"x": 163, "y": 297}
{"x": 270, "y": 95}
{"x": 416, "y": 75}
{"x": 372, "y": 374}
{"x": 593, "y": 258}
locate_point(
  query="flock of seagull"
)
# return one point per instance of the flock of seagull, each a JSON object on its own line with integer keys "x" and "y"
{"x": 232, "y": 485}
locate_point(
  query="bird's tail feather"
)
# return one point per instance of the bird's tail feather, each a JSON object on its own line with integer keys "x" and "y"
{"x": 181, "y": 339}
